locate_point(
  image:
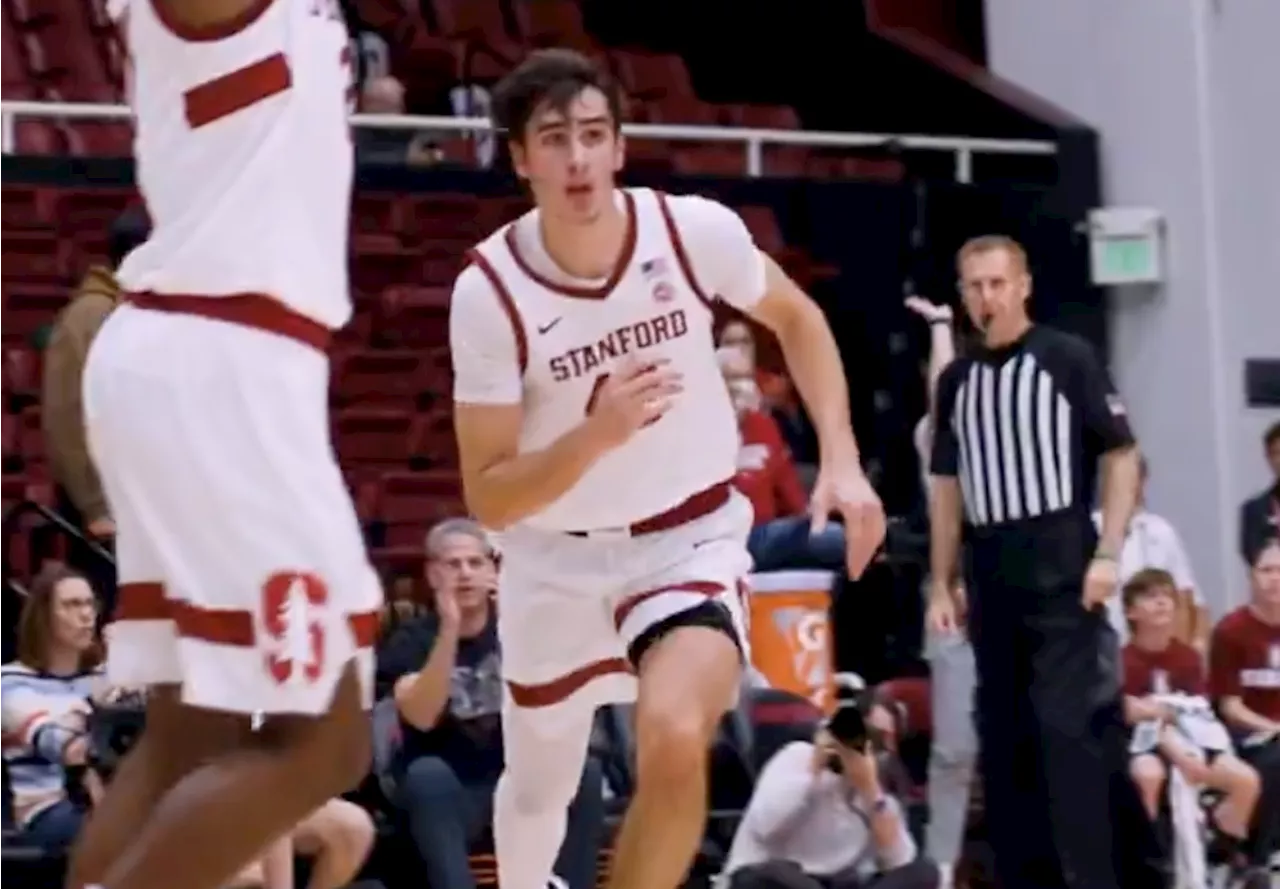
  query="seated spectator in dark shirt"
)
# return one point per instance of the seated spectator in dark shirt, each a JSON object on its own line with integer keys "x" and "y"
{"x": 384, "y": 146}
{"x": 780, "y": 537}
{"x": 444, "y": 671}
{"x": 45, "y": 695}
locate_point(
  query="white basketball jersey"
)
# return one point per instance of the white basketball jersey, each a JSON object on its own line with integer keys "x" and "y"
{"x": 574, "y": 342}
{"x": 244, "y": 155}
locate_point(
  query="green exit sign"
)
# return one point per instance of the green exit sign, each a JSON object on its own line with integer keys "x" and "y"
{"x": 1125, "y": 246}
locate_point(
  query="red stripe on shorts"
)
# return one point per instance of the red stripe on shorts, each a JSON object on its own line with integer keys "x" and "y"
{"x": 225, "y": 95}
{"x": 218, "y": 626}
{"x": 544, "y": 694}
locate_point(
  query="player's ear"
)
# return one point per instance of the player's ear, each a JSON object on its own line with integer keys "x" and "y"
{"x": 519, "y": 160}
{"x": 619, "y": 151}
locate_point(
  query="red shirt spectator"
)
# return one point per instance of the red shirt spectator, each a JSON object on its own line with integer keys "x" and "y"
{"x": 766, "y": 474}
{"x": 1244, "y": 662}
{"x": 1176, "y": 668}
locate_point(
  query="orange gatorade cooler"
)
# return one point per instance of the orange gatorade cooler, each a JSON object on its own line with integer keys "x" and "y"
{"x": 791, "y": 632}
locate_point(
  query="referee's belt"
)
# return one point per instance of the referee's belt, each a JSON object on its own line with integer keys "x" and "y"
{"x": 691, "y": 508}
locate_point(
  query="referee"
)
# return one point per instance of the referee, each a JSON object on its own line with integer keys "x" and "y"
{"x": 1022, "y": 425}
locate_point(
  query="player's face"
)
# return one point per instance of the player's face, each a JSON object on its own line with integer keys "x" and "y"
{"x": 463, "y": 566}
{"x": 74, "y": 613}
{"x": 995, "y": 288}
{"x": 1266, "y": 577}
{"x": 1153, "y": 611}
{"x": 570, "y": 157}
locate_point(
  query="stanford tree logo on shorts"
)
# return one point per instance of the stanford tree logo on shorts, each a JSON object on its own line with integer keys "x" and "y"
{"x": 290, "y": 602}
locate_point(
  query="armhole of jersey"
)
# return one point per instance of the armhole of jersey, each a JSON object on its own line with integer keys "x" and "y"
{"x": 508, "y": 306}
{"x": 212, "y": 32}
{"x": 682, "y": 255}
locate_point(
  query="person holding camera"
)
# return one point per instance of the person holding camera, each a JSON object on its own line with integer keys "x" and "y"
{"x": 821, "y": 818}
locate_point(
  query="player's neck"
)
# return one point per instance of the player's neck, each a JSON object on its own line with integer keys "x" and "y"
{"x": 586, "y": 250}
{"x": 1152, "y": 639}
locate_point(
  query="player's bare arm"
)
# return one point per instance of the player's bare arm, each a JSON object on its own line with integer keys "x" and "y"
{"x": 502, "y": 486}
{"x": 814, "y": 362}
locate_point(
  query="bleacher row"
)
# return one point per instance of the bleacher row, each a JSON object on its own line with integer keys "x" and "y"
{"x": 69, "y": 50}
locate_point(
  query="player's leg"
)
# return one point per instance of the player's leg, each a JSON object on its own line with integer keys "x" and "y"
{"x": 142, "y": 640}
{"x": 544, "y": 753}
{"x": 690, "y": 668}
{"x": 1149, "y": 776}
{"x": 266, "y": 575}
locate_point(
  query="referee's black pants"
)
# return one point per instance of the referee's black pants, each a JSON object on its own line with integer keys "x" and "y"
{"x": 1048, "y": 715}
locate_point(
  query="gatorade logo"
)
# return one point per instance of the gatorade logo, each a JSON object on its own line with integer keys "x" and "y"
{"x": 807, "y": 635}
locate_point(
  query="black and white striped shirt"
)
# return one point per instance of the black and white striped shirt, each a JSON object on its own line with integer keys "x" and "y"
{"x": 1023, "y": 426}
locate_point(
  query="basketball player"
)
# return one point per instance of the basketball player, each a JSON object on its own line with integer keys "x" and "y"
{"x": 596, "y": 434}
{"x": 244, "y": 585}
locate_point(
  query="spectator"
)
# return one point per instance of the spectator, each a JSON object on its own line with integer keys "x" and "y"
{"x": 381, "y": 146}
{"x": 953, "y": 674}
{"x": 1260, "y": 515}
{"x": 444, "y": 672}
{"x": 1244, "y": 676}
{"x": 337, "y": 838}
{"x": 1151, "y": 541}
{"x": 779, "y": 398}
{"x": 1156, "y": 666}
{"x": 820, "y": 816}
{"x": 780, "y": 537}
{"x": 80, "y": 496}
{"x": 44, "y": 696}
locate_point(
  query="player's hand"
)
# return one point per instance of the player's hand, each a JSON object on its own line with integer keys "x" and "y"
{"x": 930, "y": 312}
{"x": 1100, "y": 582}
{"x": 846, "y": 490}
{"x": 632, "y": 397}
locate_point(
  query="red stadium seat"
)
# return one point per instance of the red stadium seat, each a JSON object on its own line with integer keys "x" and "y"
{"x": 22, "y": 368}
{"x": 398, "y": 561}
{"x": 378, "y": 378}
{"x": 28, "y": 307}
{"x": 92, "y": 208}
{"x": 414, "y": 317}
{"x": 373, "y": 436}
{"x": 23, "y": 207}
{"x": 11, "y": 438}
{"x": 34, "y": 257}
{"x": 32, "y": 441}
{"x": 375, "y": 270}
{"x": 412, "y": 501}
{"x": 649, "y": 76}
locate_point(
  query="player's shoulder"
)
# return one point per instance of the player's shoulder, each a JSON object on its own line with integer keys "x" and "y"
{"x": 696, "y": 212}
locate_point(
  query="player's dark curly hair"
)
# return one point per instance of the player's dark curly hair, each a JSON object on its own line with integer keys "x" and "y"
{"x": 551, "y": 78}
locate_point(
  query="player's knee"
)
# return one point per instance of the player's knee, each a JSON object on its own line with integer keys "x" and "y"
{"x": 672, "y": 742}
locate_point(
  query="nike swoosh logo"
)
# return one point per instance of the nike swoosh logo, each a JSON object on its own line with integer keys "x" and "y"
{"x": 546, "y": 328}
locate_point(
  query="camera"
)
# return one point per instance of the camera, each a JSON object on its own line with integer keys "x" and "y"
{"x": 847, "y": 725}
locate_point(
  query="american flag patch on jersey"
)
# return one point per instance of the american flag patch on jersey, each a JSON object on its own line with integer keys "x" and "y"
{"x": 653, "y": 268}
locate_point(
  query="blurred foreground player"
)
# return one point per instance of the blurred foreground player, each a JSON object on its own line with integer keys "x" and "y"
{"x": 596, "y": 433}
{"x": 244, "y": 585}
